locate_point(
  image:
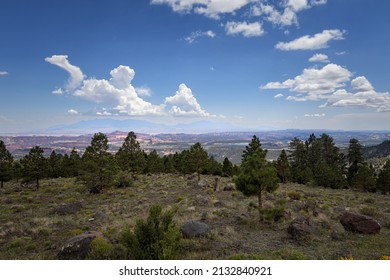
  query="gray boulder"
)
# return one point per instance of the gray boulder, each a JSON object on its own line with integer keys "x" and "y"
{"x": 359, "y": 223}
{"x": 301, "y": 228}
{"x": 195, "y": 229}
{"x": 77, "y": 247}
{"x": 229, "y": 187}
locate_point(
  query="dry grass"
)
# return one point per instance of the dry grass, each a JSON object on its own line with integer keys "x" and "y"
{"x": 30, "y": 228}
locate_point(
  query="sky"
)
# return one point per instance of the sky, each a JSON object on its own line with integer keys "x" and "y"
{"x": 255, "y": 64}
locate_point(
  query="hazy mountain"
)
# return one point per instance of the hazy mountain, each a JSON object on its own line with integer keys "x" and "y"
{"x": 110, "y": 125}
{"x": 377, "y": 151}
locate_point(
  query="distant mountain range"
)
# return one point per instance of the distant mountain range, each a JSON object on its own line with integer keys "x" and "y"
{"x": 109, "y": 125}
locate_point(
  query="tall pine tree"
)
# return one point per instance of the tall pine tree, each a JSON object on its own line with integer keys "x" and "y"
{"x": 6, "y": 160}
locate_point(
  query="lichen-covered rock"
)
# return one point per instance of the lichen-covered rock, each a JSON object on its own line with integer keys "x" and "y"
{"x": 194, "y": 229}
{"x": 77, "y": 247}
{"x": 301, "y": 228}
{"x": 359, "y": 223}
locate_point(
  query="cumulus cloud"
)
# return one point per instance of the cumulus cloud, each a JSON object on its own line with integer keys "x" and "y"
{"x": 246, "y": 29}
{"x": 319, "y": 57}
{"x": 209, "y": 8}
{"x": 364, "y": 96}
{"x": 123, "y": 98}
{"x": 184, "y": 103}
{"x": 313, "y": 83}
{"x": 76, "y": 76}
{"x": 73, "y": 112}
{"x": 3, "y": 73}
{"x": 194, "y": 35}
{"x": 315, "y": 42}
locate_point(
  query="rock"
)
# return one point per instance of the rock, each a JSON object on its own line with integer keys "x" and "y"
{"x": 68, "y": 208}
{"x": 195, "y": 229}
{"x": 100, "y": 216}
{"x": 300, "y": 228}
{"x": 359, "y": 223}
{"x": 193, "y": 176}
{"x": 229, "y": 187}
{"x": 203, "y": 184}
{"x": 335, "y": 236}
{"x": 77, "y": 247}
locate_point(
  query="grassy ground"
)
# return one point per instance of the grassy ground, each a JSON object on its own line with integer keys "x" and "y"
{"x": 33, "y": 224}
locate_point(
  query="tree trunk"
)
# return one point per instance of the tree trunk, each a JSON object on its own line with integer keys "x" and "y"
{"x": 2, "y": 184}
{"x": 37, "y": 183}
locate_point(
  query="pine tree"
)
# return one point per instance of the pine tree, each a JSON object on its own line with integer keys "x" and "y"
{"x": 130, "y": 157}
{"x": 34, "y": 165}
{"x": 99, "y": 166}
{"x": 283, "y": 167}
{"x": 198, "y": 158}
{"x": 301, "y": 171}
{"x": 251, "y": 148}
{"x": 227, "y": 167}
{"x": 256, "y": 175}
{"x": 355, "y": 159}
{"x": 154, "y": 164}
{"x": 383, "y": 183}
{"x": 6, "y": 160}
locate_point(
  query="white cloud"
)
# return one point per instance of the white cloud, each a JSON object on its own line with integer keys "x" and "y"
{"x": 76, "y": 76}
{"x": 73, "y": 112}
{"x": 123, "y": 98}
{"x": 361, "y": 84}
{"x": 314, "y": 115}
{"x": 313, "y": 83}
{"x": 58, "y": 91}
{"x": 246, "y": 29}
{"x": 365, "y": 96}
{"x": 279, "y": 95}
{"x": 209, "y": 8}
{"x": 315, "y": 42}
{"x": 143, "y": 91}
{"x": 194, "y": 35}
{"x": 3, "y": 73}
{"x": 319, "y": 57}
{"x": 184, "y": 103}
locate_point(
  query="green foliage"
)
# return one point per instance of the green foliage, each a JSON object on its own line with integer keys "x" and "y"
{"x": 6, "y": 160}
{"x": 100, "y": 249}
{"x": 383, "y": 182}
{"x": 253, "y": 146}
{"x": 124, "y": 179}
{"x": 364, "y": 179}
{"x": 130, "y": 157}
{"x": 197, "y": 158}
{"x": 283, "y": 167}
{"x": 98, "y": 165}
{"x": 227, "y": 167}
{"x": 274, "y": 214}
{"x": 355, "y": 158}
{"x": 154, "y": 164}
{"x": 34, "y": 165}
{"x": 157, "y": 238}
{"x": 256, "y": 175}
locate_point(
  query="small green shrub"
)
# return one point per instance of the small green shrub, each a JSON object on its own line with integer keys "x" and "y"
{"x": 294, "y": 195}
{"x": 100, "y": 249}
{"x": 369, "y": 211}
{"x": 157, "y": 238}
{"x": 272, "y": 214}
{"x": 124, "y": 180}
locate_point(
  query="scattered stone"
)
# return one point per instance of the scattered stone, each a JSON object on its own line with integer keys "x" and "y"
{"x": 68, "y": 208}
{"x": 194, "y": 229}
{"x": 192, "y": 208}
{"x": 100, "y": 216}
{"x": 359, "y": 223}
{"x": 301, "y": 228}
{"x": 77, "y": 247}
{"x": 203, "y": 184}
{"x": 229, "y": 187}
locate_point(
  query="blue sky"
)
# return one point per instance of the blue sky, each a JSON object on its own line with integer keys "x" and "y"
{"x": 251, "y": 63}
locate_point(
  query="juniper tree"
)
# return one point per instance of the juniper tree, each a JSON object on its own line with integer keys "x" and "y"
{"x": 6, "y": 160}
{"x": 198, "y": 158}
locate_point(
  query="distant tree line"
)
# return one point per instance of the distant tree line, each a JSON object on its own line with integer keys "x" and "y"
{"x": 316, "y": 161}
{"x": 98, "y": 168}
